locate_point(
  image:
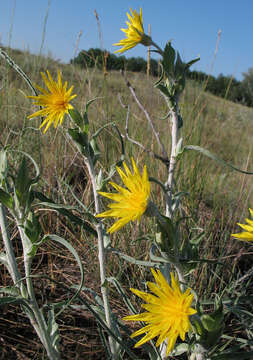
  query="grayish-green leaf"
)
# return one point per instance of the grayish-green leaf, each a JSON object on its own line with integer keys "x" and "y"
{"x": 3, "y": 165}
{"x": 64, "y": 210}
{"x": 131, "y": 259}
{"x": 124, "y": 296}
{"x": 3, "y": 259}
{"x": 68, "y": 246}
{"x": 215, "y": 157}
{"x": 53, "y": 329}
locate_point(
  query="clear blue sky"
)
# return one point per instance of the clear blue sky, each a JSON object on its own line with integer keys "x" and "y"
{"x": 192, "y": 25}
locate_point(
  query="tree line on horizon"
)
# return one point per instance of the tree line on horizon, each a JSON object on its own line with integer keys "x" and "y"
{"x": 223, "y": 86}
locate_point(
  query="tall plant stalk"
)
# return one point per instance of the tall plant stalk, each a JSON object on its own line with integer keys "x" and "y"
{"x": 101, "y": 254}
{"x": 100, "y": 238}
{"x": 172, "y": 166}
{"x": 39, "y": 322}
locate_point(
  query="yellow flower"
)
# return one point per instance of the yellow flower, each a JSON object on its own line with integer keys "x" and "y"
{"x": 248, "y": 234}
{"x": 55, "y": 102}
{"x": 134, "y": 33}
{"x": 130, "y": 203}
{"x": 168, "y": 312}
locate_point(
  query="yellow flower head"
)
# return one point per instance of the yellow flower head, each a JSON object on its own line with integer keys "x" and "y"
{"x": 248, "y": 234}
{"x": 131, "y": 202}
{"x": 134, "y": 33}
{"x": 168, "y": 311}
{"x": 55, "y": 101}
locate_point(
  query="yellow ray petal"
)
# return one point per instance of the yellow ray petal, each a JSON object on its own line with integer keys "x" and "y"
{"x": 131, "y": 201}
{"x": 168, "y": 312}
{"x": 134, "y": 32}
{"x": 55, "y": 101}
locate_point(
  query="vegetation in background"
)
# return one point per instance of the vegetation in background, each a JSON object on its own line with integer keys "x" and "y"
{"x": 223, "y": 86}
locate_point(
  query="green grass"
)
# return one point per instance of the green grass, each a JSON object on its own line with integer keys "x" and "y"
{"x": 217, "y": 197}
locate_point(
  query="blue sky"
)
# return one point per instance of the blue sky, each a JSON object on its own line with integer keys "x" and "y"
{"x": 192, "y": 25}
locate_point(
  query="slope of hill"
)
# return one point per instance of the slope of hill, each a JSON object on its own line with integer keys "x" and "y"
{"x": 218, "y": 197}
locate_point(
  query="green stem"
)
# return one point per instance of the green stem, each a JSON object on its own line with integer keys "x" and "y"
{"x": 157, "y": 47}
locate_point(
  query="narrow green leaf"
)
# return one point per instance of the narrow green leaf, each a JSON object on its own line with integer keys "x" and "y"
{"x": 131, "y": 259}
{"x": 36, "y": 167}
{"x": 22, "y": 183}
{"x": 197, "y": 239}
{"x": 89, "y": 103}
{"x": 6, "y": 199}
{"x": 168, "y": 61}
{"x": 124, "y": 296}
{"x": 121, "y": 142}
{"x": 9, "y": 300}
{"x": 215, "y": 157}
{"x": 179, "y": 66}
{"x": 190, "y": 63}
{"x": 68, "y": 246}
{"x": 10, "y": 290}
{"x": 101, "y": 129}
{"x": 154, "y": 257}
{"x": 6, "y": 300}
{"x": 64, "y": 210}
{"x": 76, "y": 117}
{"x": 85, "y": 115}
{"x": 32, "y": 227}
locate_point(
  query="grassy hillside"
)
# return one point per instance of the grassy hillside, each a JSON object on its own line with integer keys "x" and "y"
{"x": 217, "y": 197}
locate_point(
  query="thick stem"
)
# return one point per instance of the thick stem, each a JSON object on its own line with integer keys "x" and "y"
{"x": 169, "y": 187}
{"x": 163, "y": 350}
{"x": 101, "y": 255}
{"x": 101, "y": 249}
{"x": 11, "y": 259}
{"x": 174, "y": 141}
